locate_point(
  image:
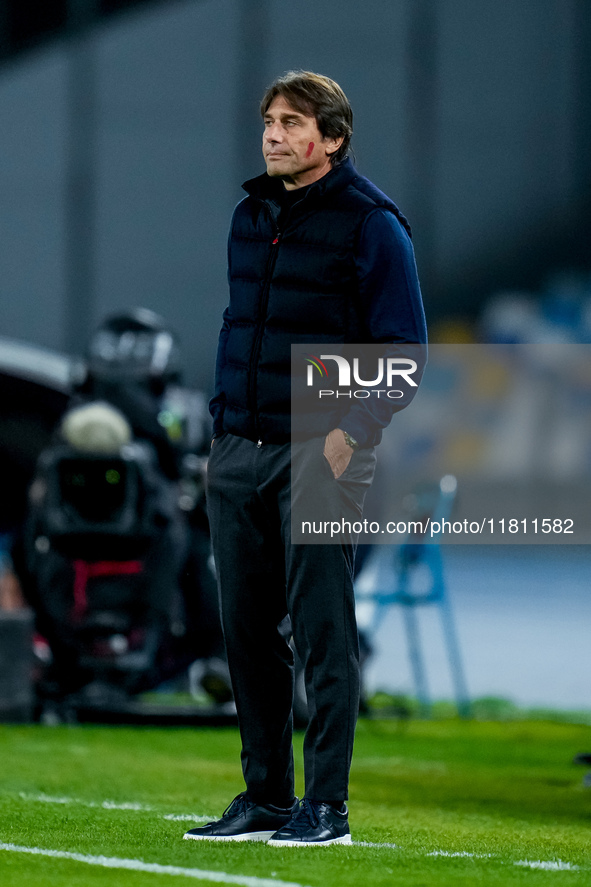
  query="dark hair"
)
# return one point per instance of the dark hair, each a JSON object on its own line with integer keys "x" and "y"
{"x": 316, "y": 96}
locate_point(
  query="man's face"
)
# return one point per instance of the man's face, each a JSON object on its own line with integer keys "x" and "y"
{"x": 293, "y": 147}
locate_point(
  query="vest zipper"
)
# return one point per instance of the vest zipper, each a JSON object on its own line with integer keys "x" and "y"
{"x": 255, "y": 354}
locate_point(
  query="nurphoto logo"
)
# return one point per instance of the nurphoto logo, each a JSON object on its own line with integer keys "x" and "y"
{"x": 388, "y": 370}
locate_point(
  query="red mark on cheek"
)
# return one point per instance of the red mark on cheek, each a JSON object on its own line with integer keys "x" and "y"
{"x": 310, "y": 149}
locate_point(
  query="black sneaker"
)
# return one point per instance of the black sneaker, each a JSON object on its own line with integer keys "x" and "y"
{"x": 314, "y": 823}
{"x": 244, "y": 820}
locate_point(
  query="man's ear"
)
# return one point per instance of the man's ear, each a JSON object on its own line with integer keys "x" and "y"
{"x": 331, "y": 146}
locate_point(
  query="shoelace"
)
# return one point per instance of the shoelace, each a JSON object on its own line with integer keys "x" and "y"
{"x": 238, "y": 807}
{"x": 305, "y": 817}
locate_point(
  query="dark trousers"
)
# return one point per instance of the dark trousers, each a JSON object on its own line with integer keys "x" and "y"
{"x": 263, "y": 576}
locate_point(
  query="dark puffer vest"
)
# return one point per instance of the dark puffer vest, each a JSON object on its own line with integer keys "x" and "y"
{"x": 287, "y": 287}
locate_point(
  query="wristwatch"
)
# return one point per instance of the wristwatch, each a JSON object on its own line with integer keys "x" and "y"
{"x": 350, "y": 441}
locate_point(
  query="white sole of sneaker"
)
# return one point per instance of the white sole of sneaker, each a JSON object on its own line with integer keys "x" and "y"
{"x": 346, "y": 839}
{"x": 247, "y": 836}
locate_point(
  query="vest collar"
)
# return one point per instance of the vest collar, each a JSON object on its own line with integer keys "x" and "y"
{"x": 264, "y": 187}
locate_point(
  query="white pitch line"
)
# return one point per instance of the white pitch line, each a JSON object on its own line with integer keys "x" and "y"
{"x": 170, "y": 817}
{"x": 154, "y": 868}
{"x": 460, "y": 853}
{"x": 46, "y": 799}
{"x": 550, "y": 865}
{"x": 105, "y": 805}
{"x": 133, "y": 806}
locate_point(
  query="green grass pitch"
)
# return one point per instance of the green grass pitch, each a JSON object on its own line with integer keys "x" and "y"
{"x": 465, "y": 803}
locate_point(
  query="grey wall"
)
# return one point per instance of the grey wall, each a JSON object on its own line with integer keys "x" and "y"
{"x": 507, "y": 123}
{"x": 473, "y": 136}
{"x": 31, "y": 185}
{"x": 166, "y": 175}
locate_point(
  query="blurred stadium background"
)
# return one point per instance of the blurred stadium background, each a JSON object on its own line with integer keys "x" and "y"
{"x": 127, "y": 128}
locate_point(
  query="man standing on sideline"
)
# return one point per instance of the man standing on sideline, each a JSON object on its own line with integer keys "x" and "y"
{"x": 316, "y": 254}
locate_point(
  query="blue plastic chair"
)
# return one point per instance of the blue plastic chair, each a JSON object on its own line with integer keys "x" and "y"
{"x": 387, "y": 579}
